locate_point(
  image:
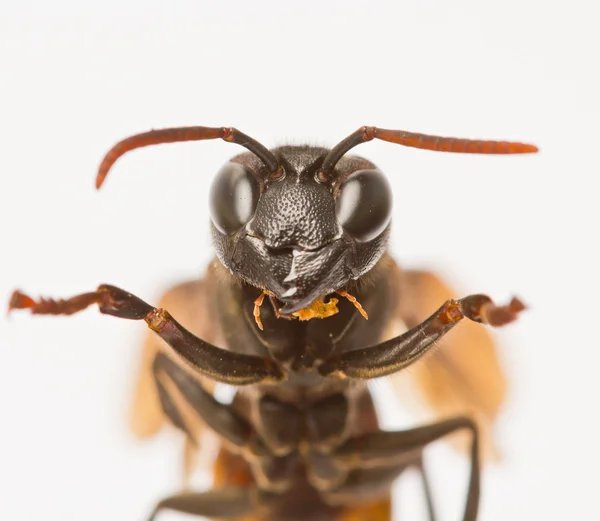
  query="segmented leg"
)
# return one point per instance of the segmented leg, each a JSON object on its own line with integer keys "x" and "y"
{"x": 183, "y": 300}
{"x": 209, "y": 360}
{"x": 396, "y": 354}
{"x": 223, "y": 503}
{"x": 356, "y": 303}
{"x": 375, "y": 452}
{"x": 427, "y": 491}
{"x": 464, "y": 374}
{"x": 171, "y": 410}
{"x": 221, "y": 418}
{"x": 365, "y": 484}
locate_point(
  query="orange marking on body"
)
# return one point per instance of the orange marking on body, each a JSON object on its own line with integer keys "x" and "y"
{"x": 231, "y": 470}
{"x": 318, "y": 309}
{"x": 370, "y": 511}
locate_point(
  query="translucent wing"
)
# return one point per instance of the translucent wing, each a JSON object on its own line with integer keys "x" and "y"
{"x": 188, "y": 302}
{"x": 464, "y": 375}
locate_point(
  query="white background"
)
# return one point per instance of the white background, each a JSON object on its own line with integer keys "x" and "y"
{"x": 75, "y": 77}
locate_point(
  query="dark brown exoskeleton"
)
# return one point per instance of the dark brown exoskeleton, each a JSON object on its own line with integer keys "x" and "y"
{"x": 296, "y": 225}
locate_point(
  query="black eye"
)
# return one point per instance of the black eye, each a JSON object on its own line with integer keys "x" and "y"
{"x": 364, "y": 206}
{"x": 233, "y": 197}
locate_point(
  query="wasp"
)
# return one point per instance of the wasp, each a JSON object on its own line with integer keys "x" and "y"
{"x": 298, "y": 311}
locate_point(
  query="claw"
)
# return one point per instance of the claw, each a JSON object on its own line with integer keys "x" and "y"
{"x": 19, "y": 300}
{"x": 480, "y": 308}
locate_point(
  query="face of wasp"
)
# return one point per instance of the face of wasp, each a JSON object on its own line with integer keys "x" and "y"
{"x": 296, "y": 237}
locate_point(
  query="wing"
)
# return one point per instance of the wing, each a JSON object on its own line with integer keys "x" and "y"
{"x": 462, "y": 376}
{"x": 187, "y": 302}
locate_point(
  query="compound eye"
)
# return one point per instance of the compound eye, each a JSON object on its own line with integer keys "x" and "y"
{"x": 364, "y": 206}
{"x": 233, "y": 197}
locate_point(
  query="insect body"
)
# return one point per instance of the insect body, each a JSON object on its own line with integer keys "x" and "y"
{"x": 307, "y": 229}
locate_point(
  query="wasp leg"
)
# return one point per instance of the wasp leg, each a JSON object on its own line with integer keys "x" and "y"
{"x": 364, "y": 485}
{"x": 464, "y": 375}
{"x": 221, "y": 418}
{"x": 170, "y": 409}
{"x": 381, "y": 450}
{"x": 209, "y": 360}
{"x": 427, "y": 491}
{"x": 220, "y": 503}
{"x": 400, "y": 352}
{"x": 146, "y": 415}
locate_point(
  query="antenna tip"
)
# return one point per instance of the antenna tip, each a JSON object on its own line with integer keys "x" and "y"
{"x": 529, "y": 149}
{"x": 100, "y": 179}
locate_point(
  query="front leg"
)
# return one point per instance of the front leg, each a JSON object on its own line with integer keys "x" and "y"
{"x": 209, "y": 360}
{"x": 400, "y": 352}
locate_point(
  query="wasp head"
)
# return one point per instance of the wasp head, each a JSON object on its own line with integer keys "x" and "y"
{"x": 294, "y": 234}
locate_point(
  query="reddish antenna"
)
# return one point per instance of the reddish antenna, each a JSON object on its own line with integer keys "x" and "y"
{"x": 178, "y": 134}
{"x": 423, "y": 141}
